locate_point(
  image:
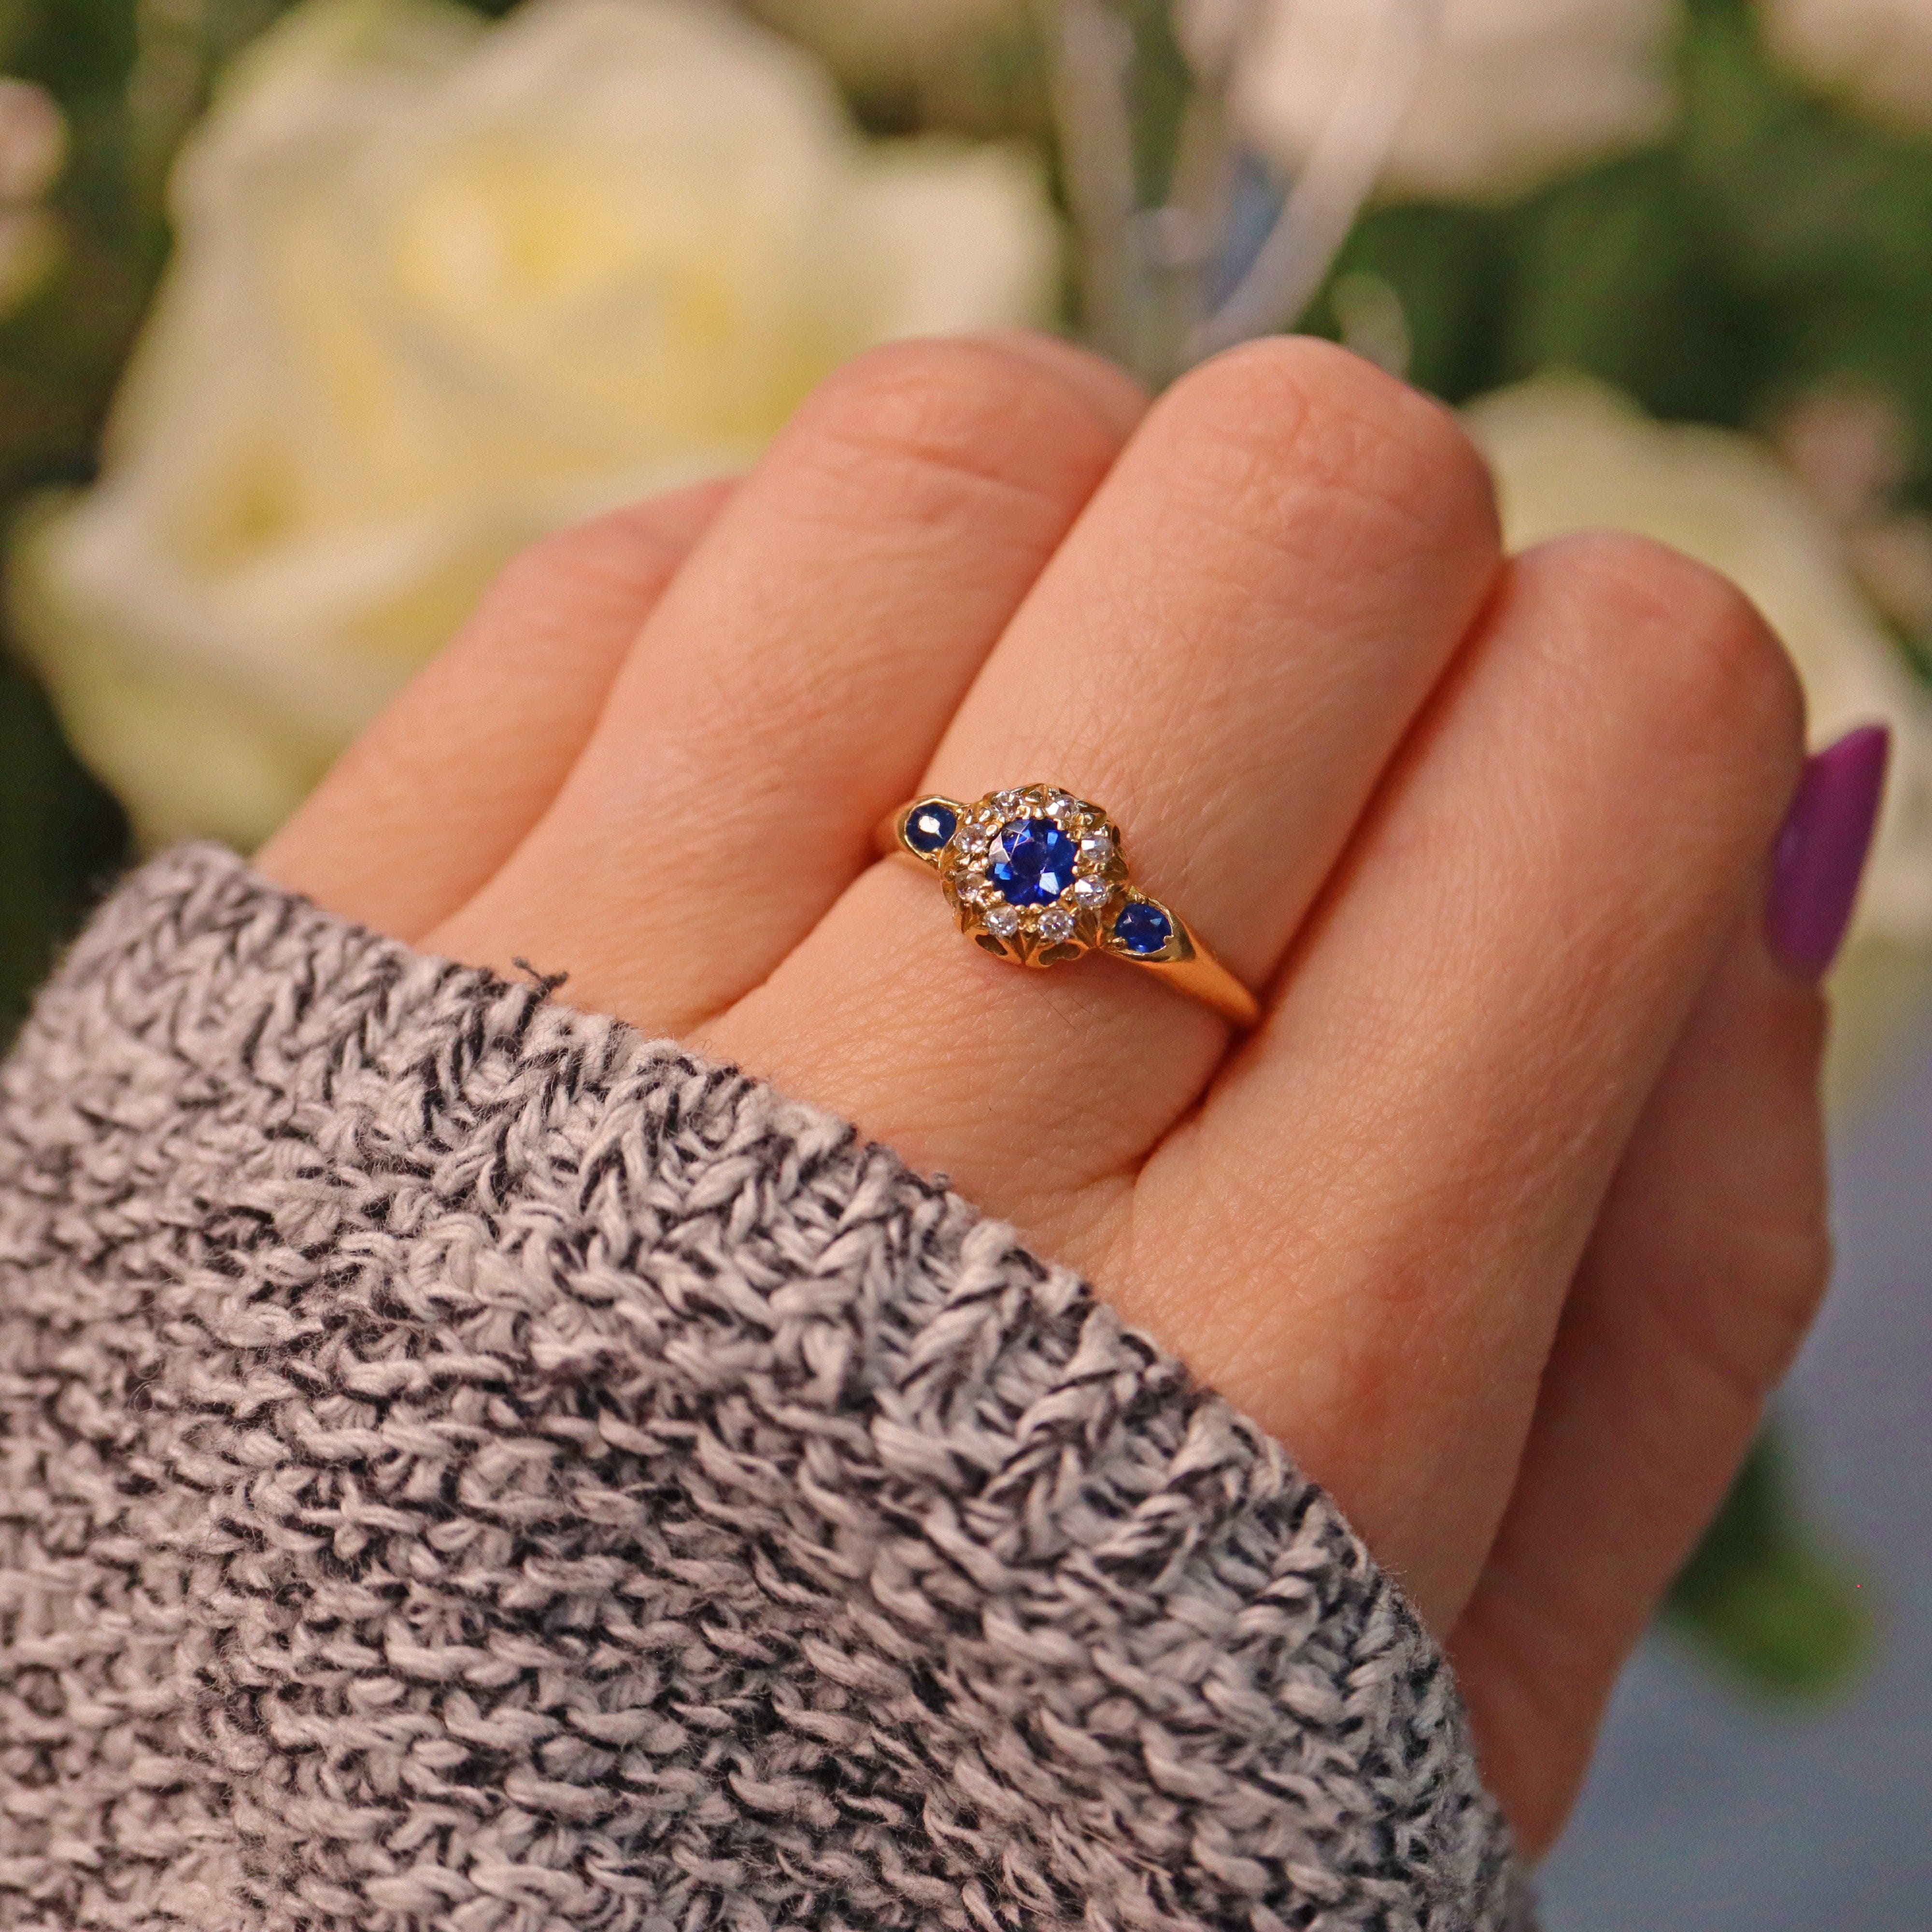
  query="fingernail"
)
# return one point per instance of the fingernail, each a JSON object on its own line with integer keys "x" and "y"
{"x": 1822, "y": 847}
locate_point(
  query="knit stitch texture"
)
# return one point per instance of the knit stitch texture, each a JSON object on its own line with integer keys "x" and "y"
{"x": 463, "y": 1465}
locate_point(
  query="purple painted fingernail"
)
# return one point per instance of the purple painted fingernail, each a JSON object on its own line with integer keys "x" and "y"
{"x": 1821, "y": 851}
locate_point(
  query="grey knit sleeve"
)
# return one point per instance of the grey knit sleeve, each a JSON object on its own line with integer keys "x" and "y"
{"x": 463, "y": 1465}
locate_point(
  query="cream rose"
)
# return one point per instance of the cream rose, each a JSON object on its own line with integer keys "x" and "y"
{"x": 1512, "y": 92}
{"x": 1876, "y": 53}
{"x": 1571, "y": 454}
{"x": 440, "y": 287}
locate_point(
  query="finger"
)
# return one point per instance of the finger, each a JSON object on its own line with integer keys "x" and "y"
{"x": 1705, "y": 1270}
{"x": 1418, "y": 1146}
{"x": 791, "y": 686}
{"x": 433, "y": 798}
{"x": 1223, "y": 654}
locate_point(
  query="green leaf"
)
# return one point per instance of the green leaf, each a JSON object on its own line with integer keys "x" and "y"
{"x": 61, "y": 839}
{"x": 1614, "y": 273}
{"x": 1447, "y": 267}
{"x": 1777, "y": 1613}
{"x": 1814, "y": 219}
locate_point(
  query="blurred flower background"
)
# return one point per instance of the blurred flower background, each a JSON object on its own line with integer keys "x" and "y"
{"x": 437, "y": 286}
{"x": 311, "y": 313}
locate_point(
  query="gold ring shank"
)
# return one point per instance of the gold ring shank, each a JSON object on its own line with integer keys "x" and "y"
{"x": 1186, "y": 963}
{"x": 1202, "y": 977}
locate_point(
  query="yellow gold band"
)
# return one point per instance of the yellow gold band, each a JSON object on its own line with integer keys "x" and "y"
{"x": 1036, "y": 876}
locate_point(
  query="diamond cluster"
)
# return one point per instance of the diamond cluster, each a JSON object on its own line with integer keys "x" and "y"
{"x": 1032, "y": 873}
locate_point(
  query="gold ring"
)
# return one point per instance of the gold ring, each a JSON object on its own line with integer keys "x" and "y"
{"x": 1037, "y": 876}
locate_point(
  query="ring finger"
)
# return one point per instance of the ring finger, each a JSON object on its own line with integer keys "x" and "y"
{"x": 1224, "y": 653}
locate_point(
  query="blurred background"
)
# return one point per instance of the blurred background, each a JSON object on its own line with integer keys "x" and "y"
{"x": 311, "y": 313}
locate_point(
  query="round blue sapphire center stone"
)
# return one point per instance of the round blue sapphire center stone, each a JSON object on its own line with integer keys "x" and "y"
{"x": 1033, "y": 863}
{"x": 1142, "y": 928}
{"x": 929, "y": 826}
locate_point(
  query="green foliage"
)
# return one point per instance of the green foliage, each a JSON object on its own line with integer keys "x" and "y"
{"x": 1772, "y": 242}
{"x": 60, "y": 837}
{"x": 1157, "y": 93}
{"x": 59, "y": 356}
{"x": 1774, "y": 1613}
{"x": 60, "y": 833}
{"x": 1613, "y": 274}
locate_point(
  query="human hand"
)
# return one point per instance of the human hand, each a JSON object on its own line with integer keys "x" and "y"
{"x": 1510, "y": 1211}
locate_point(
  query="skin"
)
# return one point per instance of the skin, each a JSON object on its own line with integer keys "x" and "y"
{"x": 1511, "y": 1211}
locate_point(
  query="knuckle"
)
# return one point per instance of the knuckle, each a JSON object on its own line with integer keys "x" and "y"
{"x": 1743, "y": 1348}
{"x": 561, "y": 553}
{"x": 612, "y": 565}
{"x": 1293, "y": 413}
{"x": 1796, "y": 1269}
{"x": 537, "y": 573}
{"x": 1710, "y": 668}
{"x": 620, "y": 546}
{"x": 933, "y": 417}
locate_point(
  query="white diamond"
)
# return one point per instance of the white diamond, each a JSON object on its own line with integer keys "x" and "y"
{"x": 1091, "y": 893}
{"x": 1062, "y": 810}
{"x": 1056, "y": 925}
{"x": 1003, "y": 921}
{"x": 1096, "y": 849}
{"x": 1006, "y": 803}
{"x": 972, "y": 886}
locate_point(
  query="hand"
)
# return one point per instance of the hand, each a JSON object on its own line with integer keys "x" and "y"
{"x": 1510, "y": 1211}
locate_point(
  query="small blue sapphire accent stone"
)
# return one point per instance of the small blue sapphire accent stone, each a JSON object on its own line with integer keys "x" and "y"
{"x": 1142, "y": 928}
{"x": 930, "y": 826}
{"x": 1033, "y": 863}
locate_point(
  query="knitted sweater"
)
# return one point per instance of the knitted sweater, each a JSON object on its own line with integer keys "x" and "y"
{"x": 464, "y": 1464}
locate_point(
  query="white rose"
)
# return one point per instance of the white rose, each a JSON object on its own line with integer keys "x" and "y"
{"x": 1512, "y": 92}
{"x": 1878, "y": 53}
{"x": 438, "y": 287}
{"x": 1571, "y": 454}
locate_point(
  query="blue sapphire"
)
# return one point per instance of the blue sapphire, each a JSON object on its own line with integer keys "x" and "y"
{"x": 1143, "y": 928}
{"x": 1033, "y": 863}
{"x": 928, "y": 826}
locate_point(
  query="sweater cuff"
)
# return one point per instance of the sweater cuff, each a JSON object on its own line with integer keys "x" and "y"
{"x": 471, "y": 1465}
